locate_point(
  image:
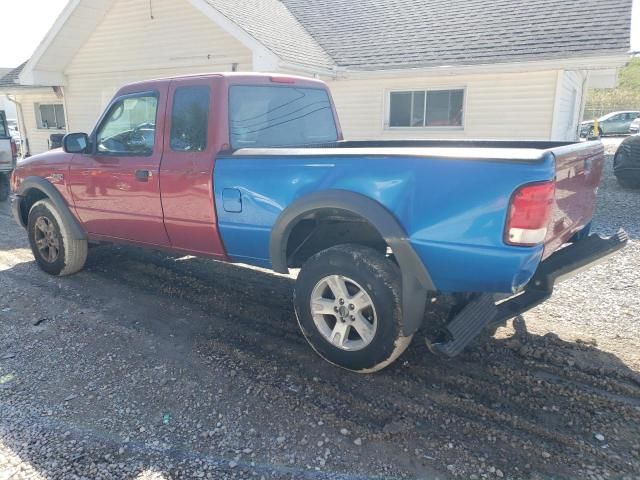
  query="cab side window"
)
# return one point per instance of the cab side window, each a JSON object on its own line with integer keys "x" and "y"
{"x": 130, "y": 127}
{"x": 190, "y": 119}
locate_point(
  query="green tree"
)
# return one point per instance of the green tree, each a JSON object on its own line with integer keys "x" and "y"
{"x": 625, "y": 97}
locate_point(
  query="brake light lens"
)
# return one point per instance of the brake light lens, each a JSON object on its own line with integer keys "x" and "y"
{"x": 529, "y": 214}
{"x": 282, "y": 80}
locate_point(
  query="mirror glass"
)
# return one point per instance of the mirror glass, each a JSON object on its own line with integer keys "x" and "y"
{"x": 75, "y": 142}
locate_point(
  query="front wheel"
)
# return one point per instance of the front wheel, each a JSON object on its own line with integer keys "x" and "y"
{"x": 348, "y": 304}
{"x": 52, "y": 244}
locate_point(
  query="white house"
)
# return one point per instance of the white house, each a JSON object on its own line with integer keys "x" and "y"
{"x": 397, "y": 69}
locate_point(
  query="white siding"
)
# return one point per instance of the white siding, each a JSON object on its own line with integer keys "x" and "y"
{"x": 568, "y": 106}
{"x": 8, "y": 107}
{"x": 38, "y": 137}
{"x": 129, "y": 46}
{"x": 500, "y": 106}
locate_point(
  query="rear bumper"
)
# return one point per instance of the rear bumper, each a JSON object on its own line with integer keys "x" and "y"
{"x": 558, "y": 267}
{"x": 484, "y": 312}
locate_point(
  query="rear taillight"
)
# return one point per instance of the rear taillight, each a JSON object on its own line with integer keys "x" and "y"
{"x": 14, "y": 150}
{"x": 529, "y": 214}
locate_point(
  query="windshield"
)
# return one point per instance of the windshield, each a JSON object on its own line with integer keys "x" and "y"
{"x": 266, "y": 116}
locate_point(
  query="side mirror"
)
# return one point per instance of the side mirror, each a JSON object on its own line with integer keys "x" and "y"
{"x": 75, "y": 142}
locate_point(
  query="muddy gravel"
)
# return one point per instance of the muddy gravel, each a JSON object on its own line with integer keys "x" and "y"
{"x": 151, "y": 366}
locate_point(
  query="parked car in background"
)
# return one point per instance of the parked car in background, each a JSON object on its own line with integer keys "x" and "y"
{"x": 8, "y": 156}
{"x": 635, "y": 126}
{"x": 626, "y": 162}
{"x": 614, "y": 123}
{"x": 379, "y": 229}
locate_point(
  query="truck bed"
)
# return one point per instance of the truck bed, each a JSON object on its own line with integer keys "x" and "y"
{"x": 451, "y": 197}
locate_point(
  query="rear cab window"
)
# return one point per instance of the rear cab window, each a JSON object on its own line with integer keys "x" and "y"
{"x": 280, "y": 116}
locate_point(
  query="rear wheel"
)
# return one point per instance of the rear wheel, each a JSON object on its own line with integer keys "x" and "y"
{"x": 53, "y": 247}
{"x": 347, "y": 300}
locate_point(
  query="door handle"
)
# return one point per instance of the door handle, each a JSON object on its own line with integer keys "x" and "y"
{"x": 143, "y": 175}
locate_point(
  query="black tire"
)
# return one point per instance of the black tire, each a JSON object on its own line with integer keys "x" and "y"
{"x": 5, "y": 189}
{"x": 591, "y": 133}
{"x": 628, "y": 183}
{"x": 380, "y": 279}
{"x": 71, "y": 253}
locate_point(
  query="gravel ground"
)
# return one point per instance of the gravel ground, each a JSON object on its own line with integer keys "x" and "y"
{"x": 148, "y": 366}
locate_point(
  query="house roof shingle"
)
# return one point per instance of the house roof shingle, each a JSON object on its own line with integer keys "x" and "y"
{"x": 11, "y": 77}
{"x": 401, "y": 34}
{"x": 387, "y": 34}
{"x": 273, "y": 25}
{"x": 9, "y": 81}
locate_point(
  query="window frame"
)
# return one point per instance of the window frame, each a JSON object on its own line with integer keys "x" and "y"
{"x": 387, "y": 109}
{"x": 103, "y": 118}
{"x": 38, "y": 112}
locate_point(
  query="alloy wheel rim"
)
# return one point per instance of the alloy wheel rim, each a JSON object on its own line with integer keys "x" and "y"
{"x": 46, "y": 239}
{"x": 344, "y": 313}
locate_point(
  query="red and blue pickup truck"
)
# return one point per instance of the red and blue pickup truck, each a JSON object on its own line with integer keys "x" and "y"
{"x": 253, "y": 169}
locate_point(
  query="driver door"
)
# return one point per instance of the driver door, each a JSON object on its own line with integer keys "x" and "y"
{"x": 116, "y": 187}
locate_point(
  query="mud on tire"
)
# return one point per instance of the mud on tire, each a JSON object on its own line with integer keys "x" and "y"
{"x": 52, "y": 244}
{"x": 371, "y": 291}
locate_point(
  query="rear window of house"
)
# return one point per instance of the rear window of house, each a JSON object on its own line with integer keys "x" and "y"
{"x": 279, "y": 116}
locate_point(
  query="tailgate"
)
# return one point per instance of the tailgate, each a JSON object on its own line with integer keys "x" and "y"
{"x": 578, "y": 172}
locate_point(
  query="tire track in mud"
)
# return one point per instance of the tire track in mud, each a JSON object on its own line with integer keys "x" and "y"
{"x": 490, "y": 403}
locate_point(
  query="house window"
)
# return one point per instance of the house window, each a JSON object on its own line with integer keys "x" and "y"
{"x": 426, "y": 108}
{"x": 50, "y": 115}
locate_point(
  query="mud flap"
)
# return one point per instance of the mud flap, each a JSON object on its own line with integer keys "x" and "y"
{"x": 467, "y": 325}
